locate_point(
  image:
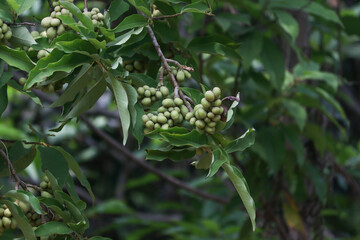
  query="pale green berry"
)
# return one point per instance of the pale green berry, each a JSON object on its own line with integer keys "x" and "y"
{"x": 209, "y": 95}
{"x": 217, "y": 92}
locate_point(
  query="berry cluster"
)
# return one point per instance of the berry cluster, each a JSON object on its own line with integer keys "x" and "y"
{"x": 46, "y": 188}
{"x": 208, "y": 113}
{"x": 6, "y": 219}
{"x": 5, "y": 31}
{"x": 54, "y": 26}
{"x": 148, "y": 95}
{"x": 96, "y": 17}
{"x": 171, "y": 112}
{"x": 180, "y": 74}
{"x": 156, "y": 12}
{"x": 134, "y": 66}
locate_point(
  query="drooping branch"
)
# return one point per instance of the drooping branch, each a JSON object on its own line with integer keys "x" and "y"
{"x": 12, "y": 171}
{"x": 113, "y": 143}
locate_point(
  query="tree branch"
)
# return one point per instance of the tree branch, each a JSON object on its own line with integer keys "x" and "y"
{"x": 20, "y": 24}
{"x": 113, "y": 143}
{"x": 12, "y": 170}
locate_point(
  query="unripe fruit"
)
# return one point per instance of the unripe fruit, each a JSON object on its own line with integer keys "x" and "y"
{"x": 1, "y": 36}
{"x": 7, "y": 213}
{"x": 2, "y": 212}
{"x": 22, "y": 80}
{"x": 170, "y": 109}
{"x": 201, "y": 113}
{"x": 57, "y": 9}
{"x": 61, "y": 29}
{"x": 4, "y": 28}
{"x": 158, "y": 95}
{"x": 41, "y": 54}
{"x": 216, "y": 110}
{"x": 95, "y": 24}
{"x": 6, "y": 222}
{"x": 178, "y": 101}
{"x": 170, "y": 122}
{"x": 157, "y": 126}
{"x": 51, "y": 32}
{"x": 154, "y": 119}
{"x": 64, "y": 11}
{"x": 162, "y": 119}
{"x": 45, "y": 194}
{"x": 136, "y": 64}
{"x": 88, "y": 14}
{"x": 192, "y": 121}
{"x": 211, "y": 124}
{"x": 210, "y": 130}
{"x": 1, "y": 225}
{"x": 164, "y": 90}
{"x": 101, "y": 17}
{"x": 8, "y": 35}
{"x": 146, "y": 102}
{"x": 35, "y": 34}
{"x": 145, "y": 118}
{"x": 146, "y": 130}
{"x": 149, "y": 124}
{"x": 184, "y": 110}
{"x": 209, "y": 95}
{"x": 25, "y": 207}
{"x": 174, "y": 115}
{"x": 217, "y": 92}
{"x": 168, "y": 102}
{"x": 180, "y": 76}
{"x": 152, "y": 91}
{"x": 38, "y": 222}
{"x": 43, "y": 34}
{"x": 205, "y": 103}
{"x": 167, "y": 114}
{"x": 147, "y": 93}
{"x": 55, "y": 22}
{"x": 1, "y": 22}
{"x": 58, "y": 14}
{"x": 221, "y": 110}
{"x": 174, "y": 72}
{"x": 35, "y": 216}
{"x": 128, "y": 67}
{"x": 161, "y": 109}
{"x": 207, "y": 120}
{"x": 210, "y": 115}
{"x": 96, "y": 10}
{"x": 218, "y": 103}
{"x": 165, "y": 126}
{"x": 153, "y": 98}
{"x": 46, "y": 22}
{"x": 140, "y": 90}
{"x": 217, "y": 118}
{"x": 200, "y": 124}
{"x": 187, "y": 74}
{"x": 197, "y": 107}
{"x": 189, "y": 115}
{"x": 53, "y": 14}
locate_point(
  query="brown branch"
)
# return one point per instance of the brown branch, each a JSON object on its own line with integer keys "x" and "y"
{"x": 177, "y": 91}
{"x": 86, "y": 6}
{"x": 113, "y": 143}
{"x": 50, "y": 6}
{"x": 20, "y": 24}
{"x": 26, "y": 142}
{"x": 190, "y": 69}
{"x": 12, "y": 170}
{"x": 231, "y": 98}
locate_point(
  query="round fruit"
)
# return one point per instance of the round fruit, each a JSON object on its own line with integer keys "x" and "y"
{"x": 6, "y": 222}
{"x": 8, "y": 35}
{"x": 140, "y": 90}
{"x": 145, "y": 119}
{"x": 178, "y": 101}
{"x": 158, "y": 95}
{"x": 218, "y": 103}
{"x": 187, "y": 74}
{"x": 45, "y": 194}
{"x": 146, "y": 102}
{"x": 211, "y": 124}
{"x": 189, "y": 115}
{"x": 201, "y": 113}
{"x": 200, "y": 124}
{"x": 7, "y": 213}
{"x": 149, "y": 124}
{"x": 192, "y": 120}
{"x": 51, "y": 32}
{"x": 205, "y": 103}
{"x": 174, "y": 115}
{"x": 180, "y": 76}
{"x": 216, "y": 110}
{"x": 46, "y": 22}
{"x": 217, "y": 92}
{"x": 168, "y": 102}
{"x": 209, "y": 95}
{"x": 162, "y": 119}
{"x": 147, "y": 93}
{"x": 55, "y": 22}
{"x": 164, "y": 90}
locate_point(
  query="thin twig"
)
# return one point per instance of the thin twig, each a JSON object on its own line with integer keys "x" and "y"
{"x": 190, "y": 69}
{"x": 189, "y": 99}
{"x": 108, "y": 139}
{"x": 20, "y": 24}
{"x": 26, "y": 142}
{"x": 177, "y": 91}
{"x": 161, "y": 76}
{"x": 50, "y": 6}
{"x": 12, "y": 171}
{"x": 231, "y": 98}
{"x": 85, "y": 6}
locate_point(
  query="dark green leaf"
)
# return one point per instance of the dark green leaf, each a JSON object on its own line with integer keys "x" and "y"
{"x": 196, "y": 7}
{"x": 173, "y": 154}
{"x": 193, "y": 138}
{"x": 117, "y": 8}
{"x": 142, "y": 6}
{"x": 21, "y": 37}
{"x": 132, "y": 21}
{"x": 297, "y": 111}
{"x": 16, "y": 58}
{"x": 78, "y": 14}
{"x": 51, "y": 228}
{"x": 241, "y": 143}
{"x": 219, "y": 157}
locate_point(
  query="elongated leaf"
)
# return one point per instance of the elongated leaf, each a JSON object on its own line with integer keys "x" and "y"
{"x": 117, "y": 8}
{"x": 196, "y": 7}
{"x": 132, "y": 21}
{"x": 78, "y": 14}
{"x": 241, "y": 143}
{"x": 51, "y": 228}
{"x": 16, "y": 58}
{"x": 74, "y": 166}
{"x": 21, "y": 37}
{"x": 21, "y": 220}
{"x": 193, "y": 138}
{"x": 288, "y": 23}
{"x": 297, "y": 111}
{"x": 66, "y": 64}
{"x": 122, "y": 103}
{"x": 55, "y": 162}
{"x": 240, "y": 185}
{"x": 26, "y": 197}
{"x": 142, "y": 5}
{"x": 89, "y": 100}
{"x": 219, "y": 157}
{"x": 230, "y": 115}
{"x": 330, "y": 79}
{"x": 173, "y": 154}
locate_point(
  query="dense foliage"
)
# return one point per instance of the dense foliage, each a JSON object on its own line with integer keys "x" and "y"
{"x": 233, "y": 97}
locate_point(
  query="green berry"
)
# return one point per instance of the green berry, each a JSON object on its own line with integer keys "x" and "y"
{"x": 46, "y": 22}
{"x": 210, "y": 115}
{"x": 189, "y": 115}
{"x": 136, "y": 64}
{"x": 180, "y": 76}
{"x": 217, "y": 118}
{"x": 201, "y": 114}
{"x": 164, "y": 90}
{"x": 140, "y": 90}
{"x": 154, "y": 119}
{"x": 149, "y": 124}
{"x": 152, "y": 91}
{"x": 43, "y": 185}
{"x": 192, "y": 121}
{"x": 207, "y": 120}
{"x": 205, "y": 103}
{"x": 60, "y": 29}
{"x": 146, "y": 102}
{"x": 217, "y": 103}
{"x": 6, "y": 222}
{"x": 162, "y": 119}
{"x": 101, "y": 17}
{"x": 35, "y": 34}
{"x": 158, "y": 95}
{"x": 161, "y": 109}
{"x": 129, "y": 67}
{"x": 157, "y": 126}
{"x": 8, "y": 35}
{"x": 145, "y": 118}
{"x": 45, "y": 194}
{"x": 13, "y": 224}
{"x": 211, "y": 124}
{"x": 184, "y": 110}
{"x": 57, "y": 9}
{"x": 4, "y": 28}
{"x": 7, "y": 213}
{"x": 210, "y": 130}
{"x": 171, "y": 122}
{"x": 217, "y": 92}
{"x": 178, "y": 101}
{"x": 216, "y": 110}
{"x": 1, "y": 22}
{"x": 147, "y": 93}
{"x": 153, "y": 99}
{"x": 168, "y": 102}
{"x": 165, "y": 126}
{"x": 200, "y": 124}
{"x": 187, "y": 74}
{"x": 197, "y": 107}
{"x": 51, "y": 32}
{"x": 25, "y": 207}
{"x": 55, "y": 22}
{"x": 174, "y": 115}
{"x": 167, "y": 114}
{"x": 209, "y": 95}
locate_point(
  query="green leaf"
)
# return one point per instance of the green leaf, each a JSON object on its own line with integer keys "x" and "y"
{"x": 193, "y": 138}
{"x": 241, "y": 143}
{"x": 66, "y": 64}
{"x": 77, "y": 45}
{"x": 13, "y": 4}
{"x": 30, "y": 94}
{"x": 74, "y": 166}
{"x": 87, "y": 72}
{"x": 132, "y": 97}
{"x": 142, "y": 6}
{"x": 250, "y": 48}
{"x": 274, "y": 64}
{"x": 288, "y": 23}
{"x": 173, "y": 154}
{"x": 3, "y": 99}
{"x": 26, "y": 197}
{"x": 120, "y": 40}
{"x": 230, "y": 115}
{"x": 132, "y": 21}
{"x": 117, "y": 8}
{"x": 24, "y": 5}
{"x": 122, "y": 103}
{"x": 297, "y": 111}
{"x": 21, "y": 220}
{"x": 294, "y": 138}
{"x": 138, "y": 127}
{"x": 16, "y": 58}
{"x": 219, "y": 157}
{"x": 55, "y": 162}
{"x": 88, "y": 100}
{"x": 196, "y": 7}
{"x": 330, "y": 79}
{"x": 241, "y": 187}
{"x": 51, "y": 228}
{"x": 21, "y": 37}
{"x": 20, "y": 158}
{"x": 78, "y": 14}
